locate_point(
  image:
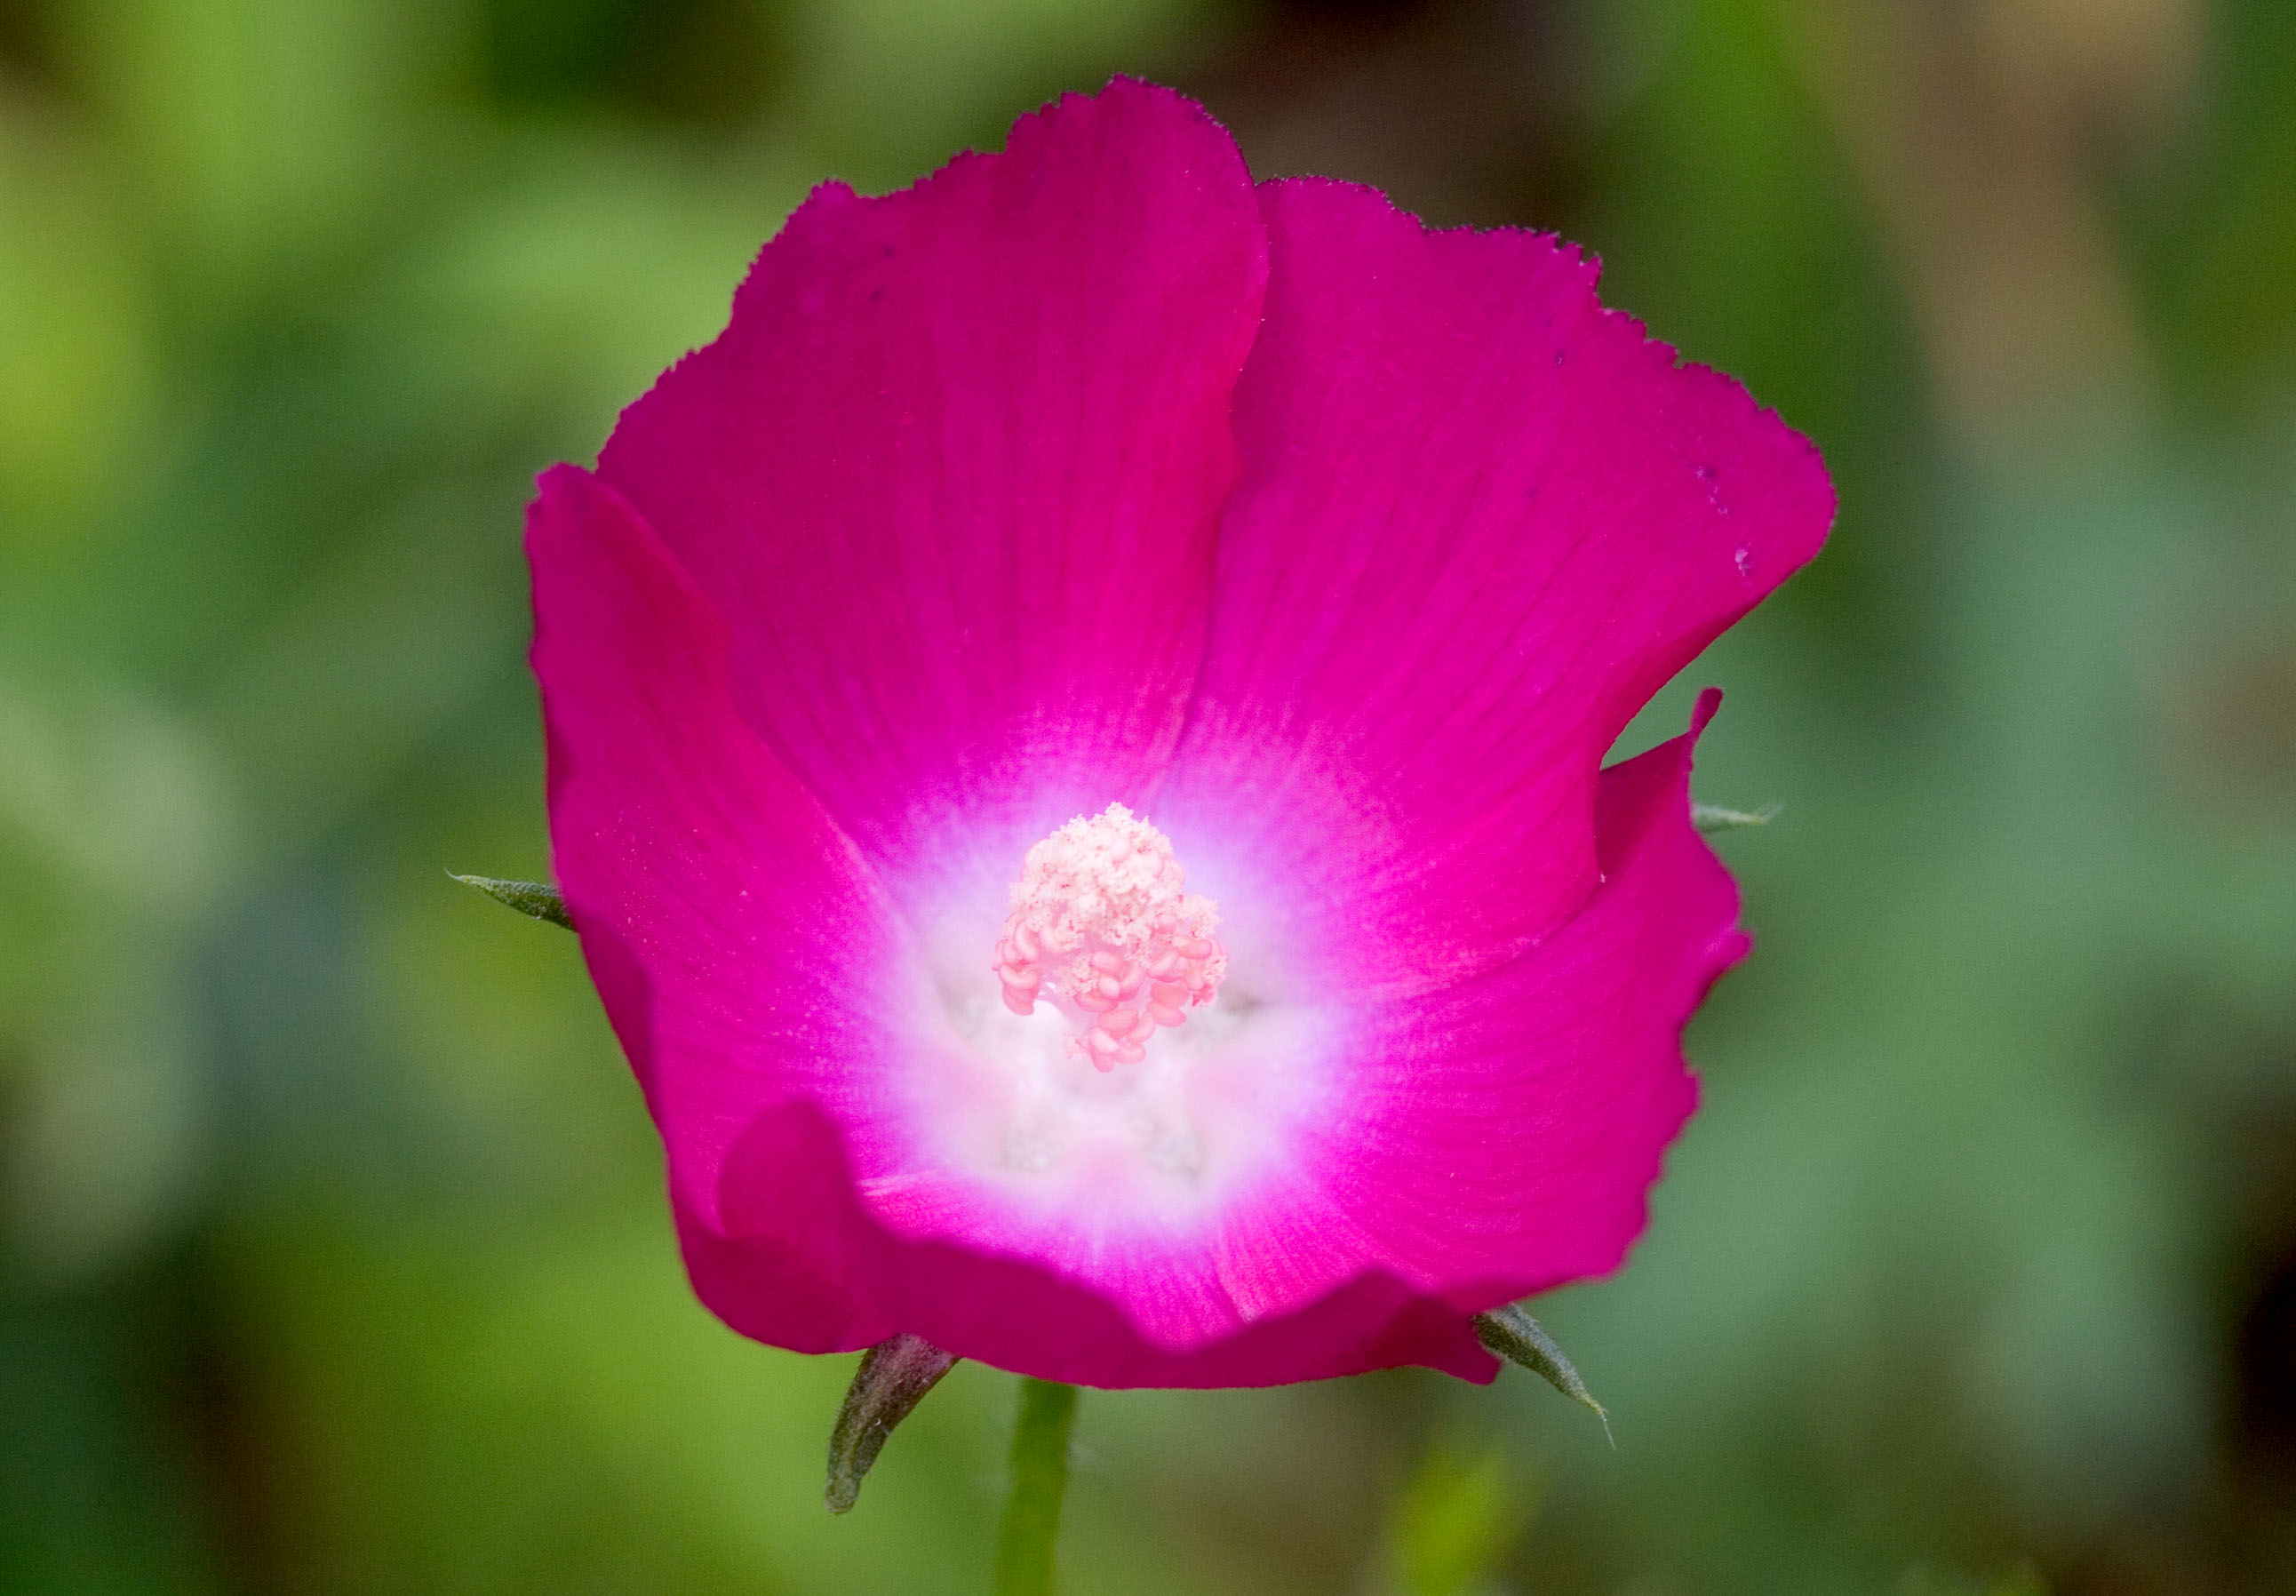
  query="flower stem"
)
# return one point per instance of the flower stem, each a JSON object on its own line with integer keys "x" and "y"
{"x": 1040, "y": 1474}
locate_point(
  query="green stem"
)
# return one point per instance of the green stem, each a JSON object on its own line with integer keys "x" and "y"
{"x": 1041, "y": 1473}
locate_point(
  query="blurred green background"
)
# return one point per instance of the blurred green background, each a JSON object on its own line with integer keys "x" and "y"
{"x": 335, "y": 1255}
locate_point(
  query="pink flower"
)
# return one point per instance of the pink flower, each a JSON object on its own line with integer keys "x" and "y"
{"x": 1075, "y": 735}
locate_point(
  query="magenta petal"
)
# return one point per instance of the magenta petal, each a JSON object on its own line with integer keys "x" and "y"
{"x": 789, "y": 1211}
{"x": 1481, "y": 520}
{"x": 1505, "y": 1130}
{"x": 730, "y": 927}
{"x": 952, "y": 473}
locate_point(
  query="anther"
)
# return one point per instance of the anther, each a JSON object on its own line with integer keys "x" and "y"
{"x": 1100, "y": 918}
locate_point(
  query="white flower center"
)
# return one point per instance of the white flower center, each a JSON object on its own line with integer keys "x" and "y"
{"x": 1102, "y": 927}
{"x": 1125, "y": 1058}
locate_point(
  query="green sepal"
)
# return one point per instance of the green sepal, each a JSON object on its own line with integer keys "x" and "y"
{"x": 1516, "y": 1336}
{"x": 533, "y": 898}
{"x": 893, "y": 1378}
{"x": 1712, "y": 817}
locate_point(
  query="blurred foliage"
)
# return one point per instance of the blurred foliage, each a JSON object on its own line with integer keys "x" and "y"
{"x": 1452, "y": 1521}
{"x": 334, "y": 1258}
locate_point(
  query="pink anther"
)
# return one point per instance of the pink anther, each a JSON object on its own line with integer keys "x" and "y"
{"x": 1102, "y": 925}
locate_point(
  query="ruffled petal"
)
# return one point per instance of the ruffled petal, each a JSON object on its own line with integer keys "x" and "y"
{"x": 952, "y": 475}
{"x": 1501, "y": 1136}
{"x": 1498, "y": 1137}
{"x": 1481, "y": 520}
{"x": 789, "y": 1195}
{"x": 734, "y": 935}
